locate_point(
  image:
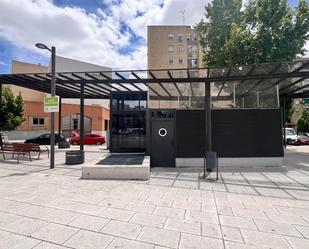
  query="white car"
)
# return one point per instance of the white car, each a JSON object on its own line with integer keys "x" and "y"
{"x": 290, "y": 136}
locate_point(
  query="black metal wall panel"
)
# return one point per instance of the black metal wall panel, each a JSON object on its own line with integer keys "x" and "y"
{"x": 247, "y": 133}
{"x": 235, "y": 133}
{"x": 190, "y": 133}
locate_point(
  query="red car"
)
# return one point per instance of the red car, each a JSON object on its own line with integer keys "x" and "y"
{"x": 89, "y": 138}
{"x": 302, "y": 140}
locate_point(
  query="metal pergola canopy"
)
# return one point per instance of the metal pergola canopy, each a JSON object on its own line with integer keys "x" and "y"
{"x": 291, "y": 78}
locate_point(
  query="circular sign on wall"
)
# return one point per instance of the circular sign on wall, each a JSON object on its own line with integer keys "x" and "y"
{"x": 162, "y": 132}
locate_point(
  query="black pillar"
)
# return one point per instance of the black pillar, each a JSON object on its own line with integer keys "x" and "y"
{"x": 82, "y": 116}
{"x": 59, "y": 120}
{"x": 284, "y": 121}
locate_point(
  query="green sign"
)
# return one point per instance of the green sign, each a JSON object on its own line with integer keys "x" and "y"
{"x": 51, "y": 104}
{"x": 306, "y": 101}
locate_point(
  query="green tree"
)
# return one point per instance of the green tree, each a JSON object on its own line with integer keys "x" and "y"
{"x": 263, "y": 31}
{"x": 11, "y": 110}
{"x": 303, "y": 122}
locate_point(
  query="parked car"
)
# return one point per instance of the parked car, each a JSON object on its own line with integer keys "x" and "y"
{"x": 302, "y": 140}
{"x": 290, "y": 136}
{"x": 44, "y": 139}
{"x": 89, "y": 138}
{"x": 303, "y": 134}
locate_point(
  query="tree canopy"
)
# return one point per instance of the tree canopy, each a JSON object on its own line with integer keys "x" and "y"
{"x": 303, "y": 122}
{"x": 259, "y": 32}
{"x": 11, "y": 110}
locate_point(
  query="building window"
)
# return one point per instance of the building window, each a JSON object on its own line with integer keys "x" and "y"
{"x": 170, "y": 48}
{"x": 38, "y": 121}
{"x": 170, "y": 36}
{"x": 181, "y": 73}
{"x": 189, "y": 37}
{"x": 180, "y": 49}
{"x": 194, "y": 63}
{"x": 180, "y": 37}
{"x": 105, "y": 125}
{"x": 170, "y": 61}
{"x": 180, "y": 61}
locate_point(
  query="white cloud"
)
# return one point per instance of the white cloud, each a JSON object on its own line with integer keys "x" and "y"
{"x": 92, "y": 37}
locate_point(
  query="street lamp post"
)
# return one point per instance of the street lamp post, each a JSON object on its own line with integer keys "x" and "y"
{"x": 53, "y": 93}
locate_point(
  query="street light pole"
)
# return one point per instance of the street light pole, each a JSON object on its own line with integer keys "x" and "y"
{"x": 53, "y": 93}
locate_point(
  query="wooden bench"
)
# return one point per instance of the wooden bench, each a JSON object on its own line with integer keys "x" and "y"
{"x": 22, "y": 149}
{"x": 37, "y": 148}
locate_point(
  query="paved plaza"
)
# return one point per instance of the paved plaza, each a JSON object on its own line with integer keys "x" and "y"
{"x": 248, "y": 208}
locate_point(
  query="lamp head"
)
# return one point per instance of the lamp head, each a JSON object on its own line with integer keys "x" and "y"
{"x": 42, "y": 46}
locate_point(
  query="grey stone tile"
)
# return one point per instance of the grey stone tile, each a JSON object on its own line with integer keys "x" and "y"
{"x": 189, "y": 241}
{"x": 159, "y": 237}
{"x": 264, "y": 239}
{"x": 298, "y": 243}
{"x": 54, "y": 233}
{"x": 140, "y": 207}
{"x": 60, "y": 216}
{"x": 6, "y": 218}
{"x": 232, "y": 234}
{"x": 89, "y": 240}
{"x": 45, "y": 245}
{"x": 190, "y": 205}
{"x": 170, "y": 212}
{"x": 148, "y": 220}
{"x": 119, "y": 243}
{"x": 117, "y": 214}
{"x": 188, "y": 226}
{"x": 14, "y": 241}
{"x": 211, "y": 218}
{"x": 234, "y": 245}
{"x": 211, "y": 230}
{"x": 89, "y": 209}
{"x": 122, "y": 229}
{"x": 89, "y": 222}
{"x": 239, "y": 222}
{"x": 278, "y": 228}
{"x": 114, "y": 203}
{"x": 24, "y": 225}
{"x": 304, "y": 230}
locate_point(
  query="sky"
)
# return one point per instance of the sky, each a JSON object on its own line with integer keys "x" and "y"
{"x": 111, "y": 33}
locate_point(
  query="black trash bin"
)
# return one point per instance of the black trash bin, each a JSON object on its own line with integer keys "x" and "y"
{"x": 74, "y": 157}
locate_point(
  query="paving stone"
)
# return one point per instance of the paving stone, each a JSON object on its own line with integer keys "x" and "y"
{"x": 278, "y": 228}
{"x": 6, "y": 218}
{"x": 122, "y": 229}
{"x": 206, "y": 217}
{"x": 288, "y": 219}
{"x": 234, "y": 245}
{"x": 24, "y": 225}
{"x": 60, "y": 216}
{"x": 117, "y": 214}
{"x": 304, "y": 230}
{"x": 14, "y": 241}
{"x": 140, "y": 207}
{"x": 148, "y": 220}
{"x": 232, "y": 234}
{"x": 249, "y": 213}
{"x": 188, "y": 226}
{"x": 114, "y": 203}
{"x": 239, "y": 222}
{"x": 89, "y": 209}
{"x": 160, "y": 237}
{"x": 189, "y": 241}
{"x": 264, "y": 239}
{"x": 211, "y": 230}
{"x": 119, "y": 243}
{"x": 89, "y": 222}
{"x": 155, "y": 201}
{"x": 223, "y": 210}
{"x": 189, "y": 205}
{"x": 170, "y": 212}
{"x": 54, "y": 233}
{"x": 85, "y": 239}
{"x": 298, "y": 243}
{"x": 45, "y": 245}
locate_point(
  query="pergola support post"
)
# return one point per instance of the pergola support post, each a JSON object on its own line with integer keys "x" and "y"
{"x": 82, "y": 109}
{"x": 59, "y": 121}
{"x": 283, "y": 123}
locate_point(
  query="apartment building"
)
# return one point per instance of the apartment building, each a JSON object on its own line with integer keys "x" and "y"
{"x": 175, "y": 47}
